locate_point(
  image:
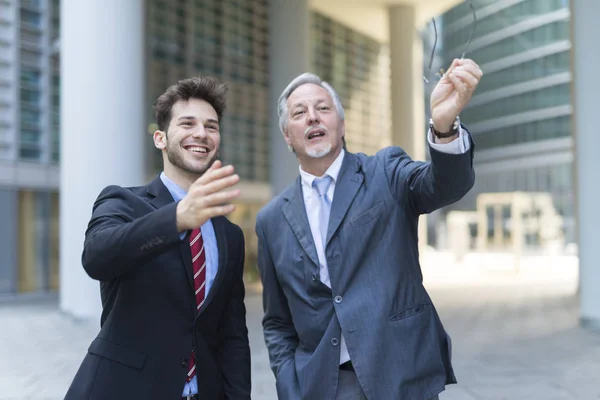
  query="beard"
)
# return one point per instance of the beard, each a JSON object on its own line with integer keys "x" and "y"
{"x": 318, "y": 153}
{"x": 175, "y": 155}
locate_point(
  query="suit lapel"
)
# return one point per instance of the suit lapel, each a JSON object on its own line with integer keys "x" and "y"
{"x": 295, "y": 213}
{"x": 160, "y": 197}
{"x": 219, "y": 227}
{"x": 349, "y": 181}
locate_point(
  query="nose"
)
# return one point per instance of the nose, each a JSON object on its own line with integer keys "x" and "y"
{"x": 199, "y": 133}
{"x": 313, "y": 116}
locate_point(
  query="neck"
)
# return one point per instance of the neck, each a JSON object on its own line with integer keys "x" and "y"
{"x": 183, "y": 179}
{"x": 318, "y": 166}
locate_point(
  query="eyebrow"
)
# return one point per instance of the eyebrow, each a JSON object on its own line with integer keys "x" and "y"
{"x": 190, "y": 117}
{"x": 301, "y": 104}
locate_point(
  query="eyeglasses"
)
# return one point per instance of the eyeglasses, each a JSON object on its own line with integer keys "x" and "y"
{"x": 441, "y": 72}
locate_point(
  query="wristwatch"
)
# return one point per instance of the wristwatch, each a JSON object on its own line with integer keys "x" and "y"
{"x": 443, "y": 135}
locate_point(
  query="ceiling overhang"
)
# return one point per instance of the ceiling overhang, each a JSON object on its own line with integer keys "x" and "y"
{"x": 370, "y": 16}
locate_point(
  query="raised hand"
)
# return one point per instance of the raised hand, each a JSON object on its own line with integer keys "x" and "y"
{"x": 207, "y": 197}
{"x": 453, "y": 92}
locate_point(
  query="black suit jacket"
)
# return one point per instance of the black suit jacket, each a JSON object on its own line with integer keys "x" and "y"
{"x": 149, "y": 322}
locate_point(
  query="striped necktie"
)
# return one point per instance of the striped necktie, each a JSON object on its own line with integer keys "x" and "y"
{"x": 199, "y": 267}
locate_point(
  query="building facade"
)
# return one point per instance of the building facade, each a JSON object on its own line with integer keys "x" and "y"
{"x": 77, "y": 80}
{"x": 228, "y": 39}
{"x": 29, "y": 145}
{"x": 521, "y": 113}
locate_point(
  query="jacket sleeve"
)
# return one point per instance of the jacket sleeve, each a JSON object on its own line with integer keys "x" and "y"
{"x": 428, "y": 186}
{"x": 234, "y": 354}
{"x": 116, "y": 240}
{"x": 280, "y": 335}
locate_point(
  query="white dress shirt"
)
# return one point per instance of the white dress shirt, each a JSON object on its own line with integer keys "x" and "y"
{"x": 312, "y": 204}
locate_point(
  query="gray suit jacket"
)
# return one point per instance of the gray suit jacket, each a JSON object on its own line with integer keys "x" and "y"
{"x": 397, "y": 343}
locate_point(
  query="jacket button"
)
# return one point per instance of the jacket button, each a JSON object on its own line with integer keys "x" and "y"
{"x": 335, "y": 342}
{"x": 185, "y": 362}
{"x": 314, "y": 276}
{"x": 338, "y": 299}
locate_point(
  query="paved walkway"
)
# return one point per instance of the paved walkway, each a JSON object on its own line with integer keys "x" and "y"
{"x": 513, "y": 339}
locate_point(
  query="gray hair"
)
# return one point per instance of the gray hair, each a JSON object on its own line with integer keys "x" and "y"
{"x": 282, "y": 108}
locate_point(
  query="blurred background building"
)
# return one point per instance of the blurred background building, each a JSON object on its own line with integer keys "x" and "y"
{"x": 78, "y": 79}
{"x": 521, "y": 112}
{"x": 29, "y": 145}
{"x": 228, "y": 39}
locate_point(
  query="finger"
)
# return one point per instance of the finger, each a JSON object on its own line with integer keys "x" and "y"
{"x": 458, "y": 82}
{"x": 472, "y": 67}
{"x": 220, "y": 198}
{"x": 214, "y": 174}
{"x": 217, "y": 185}
{"x": 220, "y": 210}
{"x": 469, "y": 79}
{"x": 454, "y": 64}
{"x": 216, "y": 164}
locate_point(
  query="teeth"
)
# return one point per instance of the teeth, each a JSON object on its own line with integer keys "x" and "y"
{"x": 198, "y": 149}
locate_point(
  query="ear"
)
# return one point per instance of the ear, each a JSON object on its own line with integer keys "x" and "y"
{"x": 287, "y": 138}
{"x": 160, "y": 139}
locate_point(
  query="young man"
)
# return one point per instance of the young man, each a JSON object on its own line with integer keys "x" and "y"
{"x": 346, "y": 313}
{"x": 170, "y": 268}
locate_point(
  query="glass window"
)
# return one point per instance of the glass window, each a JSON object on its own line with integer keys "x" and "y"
{"x": 30, "y": 117}
{"x": 30, "y": 96}
{"x": 348, "y": 60}
{"x": 31, "y": 17}
{"x": 30, "y": 136}
{"x": 30, "y": 76}
{"x": 523, "y": 133}
{"x": 229, "y": 41}
{"x": 539, "y": 99}
{"x": 33, "y": 154}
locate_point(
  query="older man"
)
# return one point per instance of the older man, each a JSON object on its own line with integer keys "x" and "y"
{"x": 346, "y": 313}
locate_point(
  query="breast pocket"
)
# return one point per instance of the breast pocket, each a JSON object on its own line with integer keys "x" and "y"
{"x": 367, "y": 216}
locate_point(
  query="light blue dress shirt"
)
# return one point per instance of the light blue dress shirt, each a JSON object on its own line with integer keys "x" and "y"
{"x": 212, "y": 257}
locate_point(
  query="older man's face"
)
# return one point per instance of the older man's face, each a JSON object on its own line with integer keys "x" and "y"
{"x": 314, "y": 128}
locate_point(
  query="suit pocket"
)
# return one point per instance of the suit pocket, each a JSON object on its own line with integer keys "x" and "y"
{"x": 117, "y": 353}
{"x": 368, "y": 215}
{"x": 410, "y": 311}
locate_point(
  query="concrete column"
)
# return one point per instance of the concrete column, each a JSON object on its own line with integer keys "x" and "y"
{"x": 406, "y": 67}
{"x": 585, "y": 31}
{"x": 102, "y": 132}
{"x": 289, "y": 56}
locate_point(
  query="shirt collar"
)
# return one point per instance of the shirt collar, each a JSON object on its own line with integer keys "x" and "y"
{"x": 333, "y": 171}
{"x": 176, "y": 191}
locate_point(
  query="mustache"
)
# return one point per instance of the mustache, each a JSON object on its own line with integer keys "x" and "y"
{"x": 312, "y": 128}
{"x": 202, "y": 142}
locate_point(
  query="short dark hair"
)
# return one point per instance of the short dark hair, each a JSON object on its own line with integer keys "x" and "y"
{"x": 206, "y": 88}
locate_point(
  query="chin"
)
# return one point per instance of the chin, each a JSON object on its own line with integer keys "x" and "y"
{"x": 319, "y": 153}
{"x": 198, "y": 168}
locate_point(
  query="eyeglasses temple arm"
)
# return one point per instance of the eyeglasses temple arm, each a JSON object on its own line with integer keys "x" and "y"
{"x": 472, "y": 30}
